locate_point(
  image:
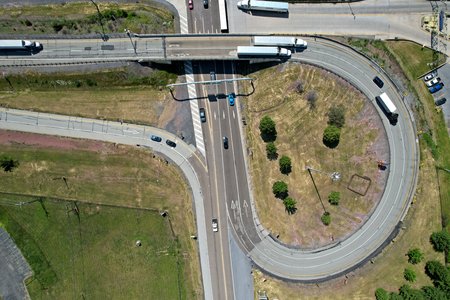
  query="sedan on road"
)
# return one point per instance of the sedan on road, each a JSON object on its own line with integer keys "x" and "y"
{"x": 171, "y": 143}
{"x": 155, "y": 138}
{"x": 225, "y": 142}
{"x": 378, "y": 82}
{"x": 202, "y": 115}
{"x": 191, "y": 4}
{"x": 429, "y": 77}
{"x": 215, "y": 225}
{"x": 231, "y": 98}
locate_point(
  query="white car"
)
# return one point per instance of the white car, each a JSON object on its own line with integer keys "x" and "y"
{"x": 433, "y": 82}
{"x": 215, "y": 225}
{"x": 429, "y": 77}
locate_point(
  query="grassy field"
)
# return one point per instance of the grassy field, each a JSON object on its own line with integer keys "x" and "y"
{"x": 82, "y": 18}
{"x": 131, "y": 95}
{"x": 423, "y": 217}
{"x": 300, "y": 131}
{"x": 87, "y": 249}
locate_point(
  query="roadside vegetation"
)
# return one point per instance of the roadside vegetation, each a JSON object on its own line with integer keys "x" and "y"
{"x": 84, "y": 18}
{"x": 77, "y": 208}
{"x": 412, "y": 249}
{"x": 130, "y": 94}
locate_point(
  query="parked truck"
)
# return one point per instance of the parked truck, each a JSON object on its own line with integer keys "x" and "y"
{"x": 20, "y": 45}
{"x": 281, "y": 7}
{"x": 252, "y": 51}
{"x": 287, "y": 41}
{"x": 388, "y": 108}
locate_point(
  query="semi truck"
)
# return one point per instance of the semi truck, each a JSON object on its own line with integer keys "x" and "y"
{"x": 252, "y": 51}
{"x": 287, "y": 41}
{"x": 20, "y": 45}
{"x": 281, "y": 7}
{"x": 388, "y": 107}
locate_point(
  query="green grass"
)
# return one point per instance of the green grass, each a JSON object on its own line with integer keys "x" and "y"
{"x": 93, "y": 255}
{"x": 118, "y": 191}
{"x": 83, "y": 18}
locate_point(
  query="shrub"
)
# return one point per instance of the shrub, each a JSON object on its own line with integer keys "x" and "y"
{"x": 440, "y": 241}
{"x": 300, "y": 88}
{"x": 381, "y": 294}
{"x": 331, "y": 136}
{"x": 326, "y": 218}
{"x": 280, "y": 189}
{"x": 290, "y": 205}
{"x": 8, "y": 164}
{"x": 415, "y": 256}
{"x": 334, "y": 198}
{"x": 336, "y": 116}
{"x": 267, "y": 129}
{"x": 409, "y": 275}
{"x": 271, "y": 150}
{"x": 285, "y": 165}
{"x": 311, "y": 97}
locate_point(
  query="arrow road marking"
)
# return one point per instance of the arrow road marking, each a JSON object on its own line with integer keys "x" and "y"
{"x": 246, "y": 208}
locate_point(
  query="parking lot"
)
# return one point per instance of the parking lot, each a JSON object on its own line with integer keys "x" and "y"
{"x": 444, "y": 74}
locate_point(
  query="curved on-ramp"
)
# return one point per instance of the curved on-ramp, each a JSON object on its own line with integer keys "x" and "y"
{"x": 344, "y": 256}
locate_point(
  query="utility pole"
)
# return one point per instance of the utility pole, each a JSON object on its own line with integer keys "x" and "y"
{"x": 100, "y": 18}
{"x": 317, "y": 191}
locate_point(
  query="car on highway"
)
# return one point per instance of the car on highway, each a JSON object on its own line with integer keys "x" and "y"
{"x": 225, "y": 142}
{"x": 231, "y": 98}
{"x": 378, "y": 82}
{"x": 429, "y": 77}
{"x": 155, "y": 138}
{"x": 205, "y": 3}
{"x": 202, "y": 115}
{"x": 191, "y": 4}
{"x": 441, "y": 101}
{"x": 171, "y": 143}
{"x": 433, "y": 81}
{"x": 212, "y": 75}
{"x": 215, "y": 225}
{"x": 436, "y": 87}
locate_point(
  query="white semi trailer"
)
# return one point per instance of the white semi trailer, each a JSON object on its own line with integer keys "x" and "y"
{"x": 23, "y": 45}
{"x": 388, "y": 108}
{"x": 287, "y": 41}
{"x": 281, "y": 7}
{"x": 251, "y": 51}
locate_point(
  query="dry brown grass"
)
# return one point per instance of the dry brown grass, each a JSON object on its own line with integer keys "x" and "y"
{"x": 300, "y": 131}
{"x": 387, "y": 270}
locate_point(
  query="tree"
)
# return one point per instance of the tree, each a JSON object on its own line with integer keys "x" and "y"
{"x": 409, "y": 293}
{"x": 271, "y": 150}
{"x": 439, "y": 274}
{"x": 331, "y": 136}
{"x": 8, "y": 164}
{"x": 290, "y": 205}
{"x": 285, "y": 165}
{"x": 433, "y": 293}
{"x": 311, "y": 97}
{"x": 409, "y": 275}
{"x": 326, "y": 218}
{"x": 300, "y": 87}
{"x": 381, "y": 294}
{"x": 267, "y": 129}
{"x": 334, "y": 198}
{"x": 415, "y": 256}
{"x": 440, "y": 241}
{"x": 336, "y": 116}
{"x": 280, "y": 189}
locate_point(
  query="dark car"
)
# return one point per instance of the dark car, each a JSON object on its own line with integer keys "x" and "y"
{"x": 225, "y": 142}
{"x": 191, "y": 4}
{"x": 205, "y": 3}
{"x": 171, "y": 143}
{"x": 440, "y": 101}
{"x": 155, "y": 138}
{"x": 202, "y": 115}
{"x": 378, "y": 82}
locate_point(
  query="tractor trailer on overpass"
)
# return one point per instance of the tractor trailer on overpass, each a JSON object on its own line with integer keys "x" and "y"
{"x": 388, "y": 107}
{"x": 281, "y": 7}
{"x": 251, "y": 51}
{"x": 287, "y": 41}
{"x": 20, "y": 45}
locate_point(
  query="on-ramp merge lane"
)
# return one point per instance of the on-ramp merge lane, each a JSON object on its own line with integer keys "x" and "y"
{"x": 336, "y": 259}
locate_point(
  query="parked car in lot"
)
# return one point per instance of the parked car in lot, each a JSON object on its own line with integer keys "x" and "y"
{"x": 441, "y": 101}
{"x": 231, "y": 98}
{"x": 225, "y": 142}
{"x": 155, "y": 138}
{"x": 191, "y": 4}
{"x": 433, "y": 81}
{"x": 436, "y": 87}
{"x": 429, "y": 77}
{"x": 171, "y": 143}
{"x": 202, "y": 115}
{"x": 215, "y": 225}
{"x": 378, "y": 82}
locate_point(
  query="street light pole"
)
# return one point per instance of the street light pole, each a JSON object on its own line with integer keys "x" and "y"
{"x": 131, "y": 40}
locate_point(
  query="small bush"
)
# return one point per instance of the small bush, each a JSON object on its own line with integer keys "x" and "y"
{"x": 331, "y": 136}
{"x": 326, "y": 218}
{"x": 290, "y": 205}
{"x": 334, "y": 198}
{"x": 381, "y": 294}
{"x": 311, "y": 97}
{"x": 441, "y": 241}
{"x": 271, "y": 150}
{"x": 8, "y": 164}
{"x": 267, "y": 129}
{"x": 280, "y": 189}
{"x": 336, "y": 116}
{"x": 285, "y": 165}
{"x": 409, "y": 275}
{"x": 415, "y": 256}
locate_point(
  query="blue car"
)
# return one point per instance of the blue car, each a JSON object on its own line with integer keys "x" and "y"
{"x": 231, "y": 98}
{"x": 155, "y": 138}
{"x": 436, "y": 87}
